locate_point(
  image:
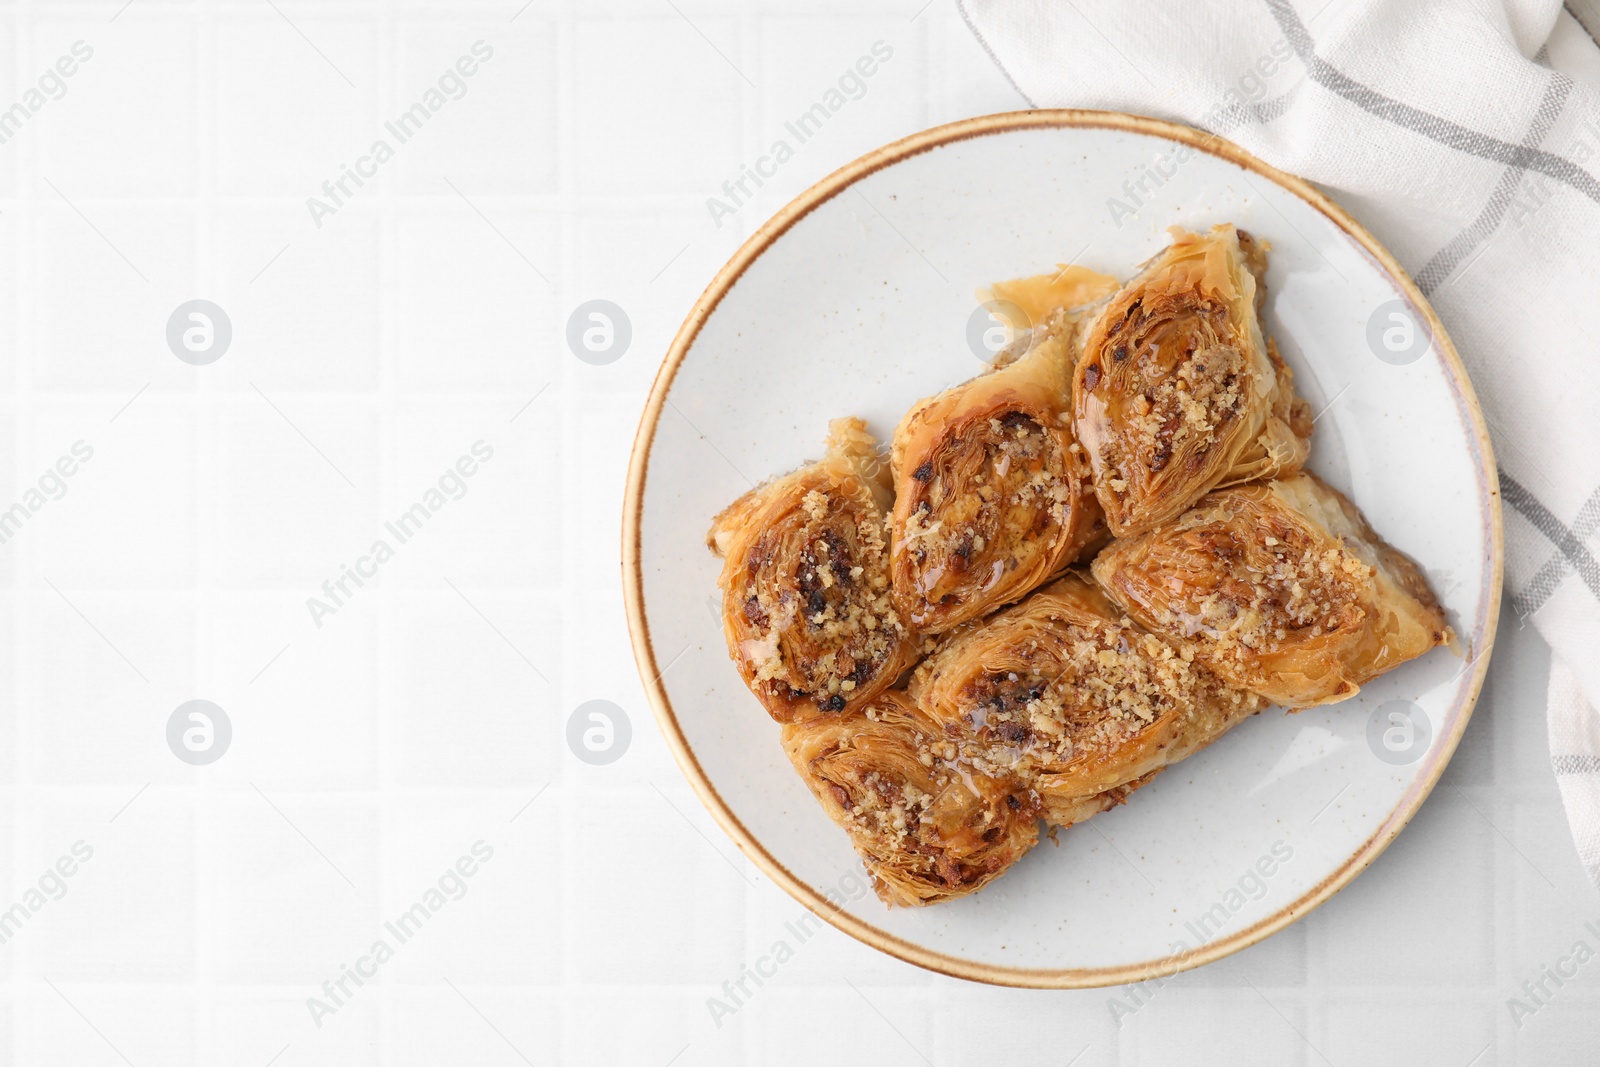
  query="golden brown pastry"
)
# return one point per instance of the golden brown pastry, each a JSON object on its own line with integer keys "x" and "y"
{"x": 992, "y": 495}
{"x": 1063, "y": 691}
{"x": 926, "y": 829}
{"x": 1281, "y": 588}
{"x": 1156, "y": 412}
{"x": 1040, "y": 300}
{"x": 1177, "y": 392}
{"x": 1065, "y": 810}
{"x": 806, "y": 607}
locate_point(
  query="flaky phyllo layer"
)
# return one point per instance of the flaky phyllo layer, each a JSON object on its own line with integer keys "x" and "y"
{"x": 1068, "y": 694}
{"x": 1281, "y": 588}
{"x": 992, "y": 494}
{"x": 927, "y": 828}
{"x": 806, "y": 607}
{"x": 1177, "y": 392}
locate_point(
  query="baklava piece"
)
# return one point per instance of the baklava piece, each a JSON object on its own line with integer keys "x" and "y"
{"x": 1066, "y": 693}
{"x": 1177, "y": 392}
{"x": 927, "y": 829}
{"x": 806, "y": 606}
{"x": 1281, "y": 588}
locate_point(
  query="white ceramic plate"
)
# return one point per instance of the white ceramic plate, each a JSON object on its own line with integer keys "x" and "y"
{"x": 856, "y": 299}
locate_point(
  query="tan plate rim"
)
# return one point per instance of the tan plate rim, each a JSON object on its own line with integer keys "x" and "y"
{"x": 633, "y": 586}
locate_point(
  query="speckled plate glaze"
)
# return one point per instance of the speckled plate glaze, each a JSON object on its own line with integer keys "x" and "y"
{"x": 857, "y": 299}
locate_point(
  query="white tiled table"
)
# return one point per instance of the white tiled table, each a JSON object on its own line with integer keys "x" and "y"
{"x": 425, "y": 714}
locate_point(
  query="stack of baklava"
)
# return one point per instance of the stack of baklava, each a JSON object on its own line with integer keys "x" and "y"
{"x": 1068, "y": 573}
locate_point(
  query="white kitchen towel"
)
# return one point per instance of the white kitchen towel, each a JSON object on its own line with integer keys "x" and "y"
{"x": 1466, "y": 135}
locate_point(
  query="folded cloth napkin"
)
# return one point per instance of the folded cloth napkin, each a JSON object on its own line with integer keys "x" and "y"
{"x": 1466, "y": 135}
